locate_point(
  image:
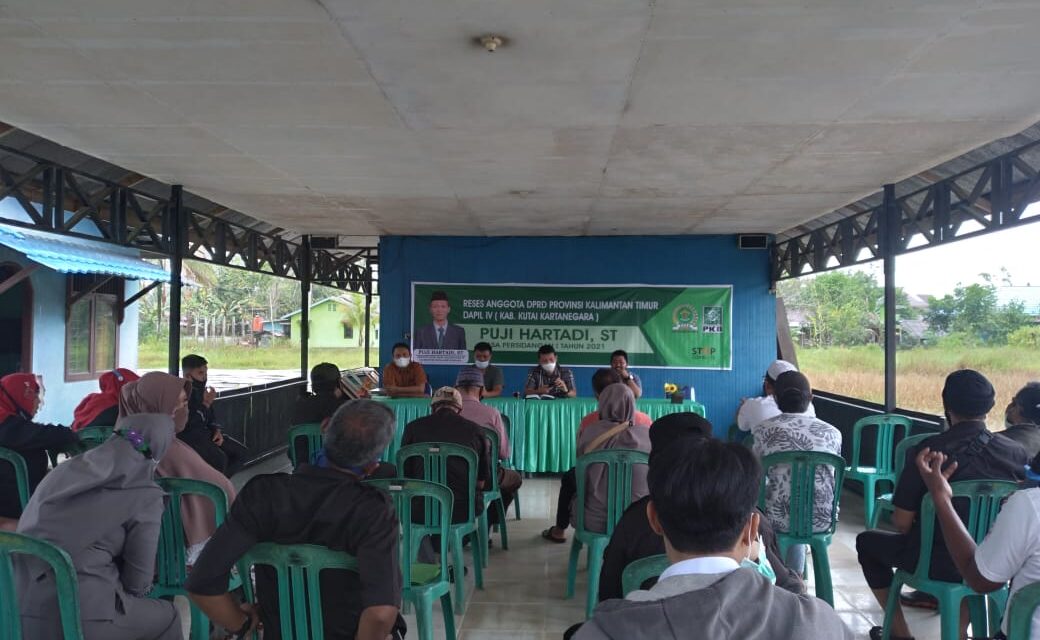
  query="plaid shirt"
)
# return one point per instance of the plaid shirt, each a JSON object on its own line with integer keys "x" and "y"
{"x": 537, "y": 377}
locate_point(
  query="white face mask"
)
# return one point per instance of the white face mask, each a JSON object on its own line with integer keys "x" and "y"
{"x": 481, "y": 364}
{"x": 549, "y": 367}
{"x": 402, "y": 362}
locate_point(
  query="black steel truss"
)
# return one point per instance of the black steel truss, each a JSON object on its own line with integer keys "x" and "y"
{"x": 985, "y": 198}
{"x": 60, "y": 199}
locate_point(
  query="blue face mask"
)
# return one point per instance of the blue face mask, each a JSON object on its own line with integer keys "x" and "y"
{"x": 762, "y": 566}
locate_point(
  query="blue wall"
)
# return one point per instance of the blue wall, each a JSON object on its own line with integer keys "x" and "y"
{"x": 596, "y": 260}
{"x": 48, "y": 343}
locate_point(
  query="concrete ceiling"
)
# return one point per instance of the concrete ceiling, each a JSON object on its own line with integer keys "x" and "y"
{"x": 370, "y": 117}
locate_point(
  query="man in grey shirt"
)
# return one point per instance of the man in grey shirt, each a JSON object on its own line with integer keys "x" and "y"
{"x": 702, "y": 500}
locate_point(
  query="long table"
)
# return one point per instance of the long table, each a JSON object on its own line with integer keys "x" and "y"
{"x": 543, "y": 433}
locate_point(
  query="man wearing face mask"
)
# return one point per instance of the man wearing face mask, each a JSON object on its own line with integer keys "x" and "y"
{"x": 702, "y": 501}
{"x": 404, "y": 378}
{"x": 202, "y": 433}
{"x": 548, "y": 378}
{"x": 494, "y": 381}
{"x": 980, "y": 455}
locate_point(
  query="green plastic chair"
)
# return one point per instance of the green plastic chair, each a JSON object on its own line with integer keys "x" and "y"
{"x": 508, "y": 464}
{"x": 92, "y": 437}
{"x": 883, "y": 503}
{"x": 21, "y": 473}
{"x": 170, "y": 563}
{"x": 800, "y": 523}
{"x": 619, "y": 463}
{"x": 985, "y": 498}
{"x": 1020, "y": 614}
{"x": 493, "y": 496}
{"x": 639, "y": 571}
{"x": 883, "y": 470}
{"x": 312, "y": 432}
{"x": 423, "y": 583}
{"x": 434, "y": 456}
{"x": 298, "y": 568}
{"x": 65, "y": 582}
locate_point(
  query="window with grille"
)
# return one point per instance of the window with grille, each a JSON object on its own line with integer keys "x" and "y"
{"x": 93, "y": 306}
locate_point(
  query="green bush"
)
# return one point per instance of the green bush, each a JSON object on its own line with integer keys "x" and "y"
{"x": 1028, "y": 337}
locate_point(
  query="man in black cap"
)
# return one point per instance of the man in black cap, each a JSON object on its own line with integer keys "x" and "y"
{"x": 326, "y": 395}
{"x": 980, "y": 455}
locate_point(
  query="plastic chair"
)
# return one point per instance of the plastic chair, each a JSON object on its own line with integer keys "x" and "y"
{"x": 985, "y": 498}
{"x": 298, "y": 568}
{"x": 883, "y": 469}
{"x": 803, "y": 466}
{"x": 1020, "y": 614}
{"x": 65, "y": 582}
{"x": 508, "y": 464}
{"x": 619, "y": 463}
{"x": 92, "y": 437}
{"x": 170, "y": 563}
{"x": 492, "y": 496}
{"x": 434, "y": 456}
{"x": 312, "y": 432}
{"x": 883, "y": 503}
{"x": 21, "y": 473}
{"x": 423, "y": 583}
{"x": 639, "y": 571}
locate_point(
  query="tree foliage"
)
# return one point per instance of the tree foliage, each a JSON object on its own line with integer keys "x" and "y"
{"x": 973, "y": 312}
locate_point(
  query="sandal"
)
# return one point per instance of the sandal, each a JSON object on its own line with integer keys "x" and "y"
{"x": 876, "y": 633}
{"x": 548, "y": 535}
{"x": 919, "y": 600}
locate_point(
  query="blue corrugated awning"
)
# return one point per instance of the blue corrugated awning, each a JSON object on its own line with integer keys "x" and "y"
{"x": 70, "y": 254}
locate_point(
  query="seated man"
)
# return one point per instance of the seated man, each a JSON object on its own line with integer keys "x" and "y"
{"x": 326, "y": 395}
{"x": 494, "y": 381}
{"x": 470, "y": 382}
{"x": 445, "y": 424}
{"x": 202, "y": 433}
{"x": 403, "y": 378}
{"x": 328, "y": 507}
{"x": 548, "y": 378}
{"x": 1011, "y": 549}
{"x": 980, "y": 455}
{"x": 795, "y": 430}
{"x": 102, "y": 409}
{"x": 754, "y": 411}
{"x": 702, "y": 500}
{"x": 1022, "y": 418}
{"x": 619, "y": 363}
{"x": 568, "y": 483}
{"x": 634, "y": 539}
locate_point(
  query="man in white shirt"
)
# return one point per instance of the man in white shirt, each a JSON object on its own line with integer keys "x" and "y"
{"x": 1011, "y": 549}
{"x": 755, "y": 411}
{"x": 702, "y": 501}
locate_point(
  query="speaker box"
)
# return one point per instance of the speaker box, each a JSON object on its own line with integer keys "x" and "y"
{"x": 324, "y": 242}
{"x": 753, "y": 241}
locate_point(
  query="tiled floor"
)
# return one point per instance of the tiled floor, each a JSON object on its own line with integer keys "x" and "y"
{"x": 523, "y": 590}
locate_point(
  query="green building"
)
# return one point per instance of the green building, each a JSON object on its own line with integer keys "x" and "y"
{"x": 334, "y": 322}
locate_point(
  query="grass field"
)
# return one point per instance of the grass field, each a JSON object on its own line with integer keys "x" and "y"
{"x": 860, "y": 372}
{"x": 154, "y": 354}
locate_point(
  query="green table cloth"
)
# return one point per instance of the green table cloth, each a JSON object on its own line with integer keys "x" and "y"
{"x": 551, "y": 430}
{"x": 409, "y": 409}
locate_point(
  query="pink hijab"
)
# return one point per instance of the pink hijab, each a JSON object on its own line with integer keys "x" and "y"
{"x": 158, "y": 392}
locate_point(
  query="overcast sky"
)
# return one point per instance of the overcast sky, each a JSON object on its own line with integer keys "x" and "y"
{"x": 938, "y": 270}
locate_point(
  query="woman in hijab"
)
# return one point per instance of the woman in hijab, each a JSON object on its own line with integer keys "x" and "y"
{"x": 613, "y": 430}
{"x": 102, "y": 409}
{"x": 104, "y": 509}
{"x": 21, "y": 397}
{"x": 1022, "y": 418}
{"x": 181, "y": 461}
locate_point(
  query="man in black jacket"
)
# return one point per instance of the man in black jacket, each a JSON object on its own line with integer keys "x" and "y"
{"x": 202, "y": 433}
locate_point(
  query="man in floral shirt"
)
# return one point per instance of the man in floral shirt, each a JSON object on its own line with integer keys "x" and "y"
{"x": 793, "y": 430}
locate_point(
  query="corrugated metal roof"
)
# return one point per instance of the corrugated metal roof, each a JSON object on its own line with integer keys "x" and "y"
{"x": 69, "y": 254}
{"x": 1028, "y": 296}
